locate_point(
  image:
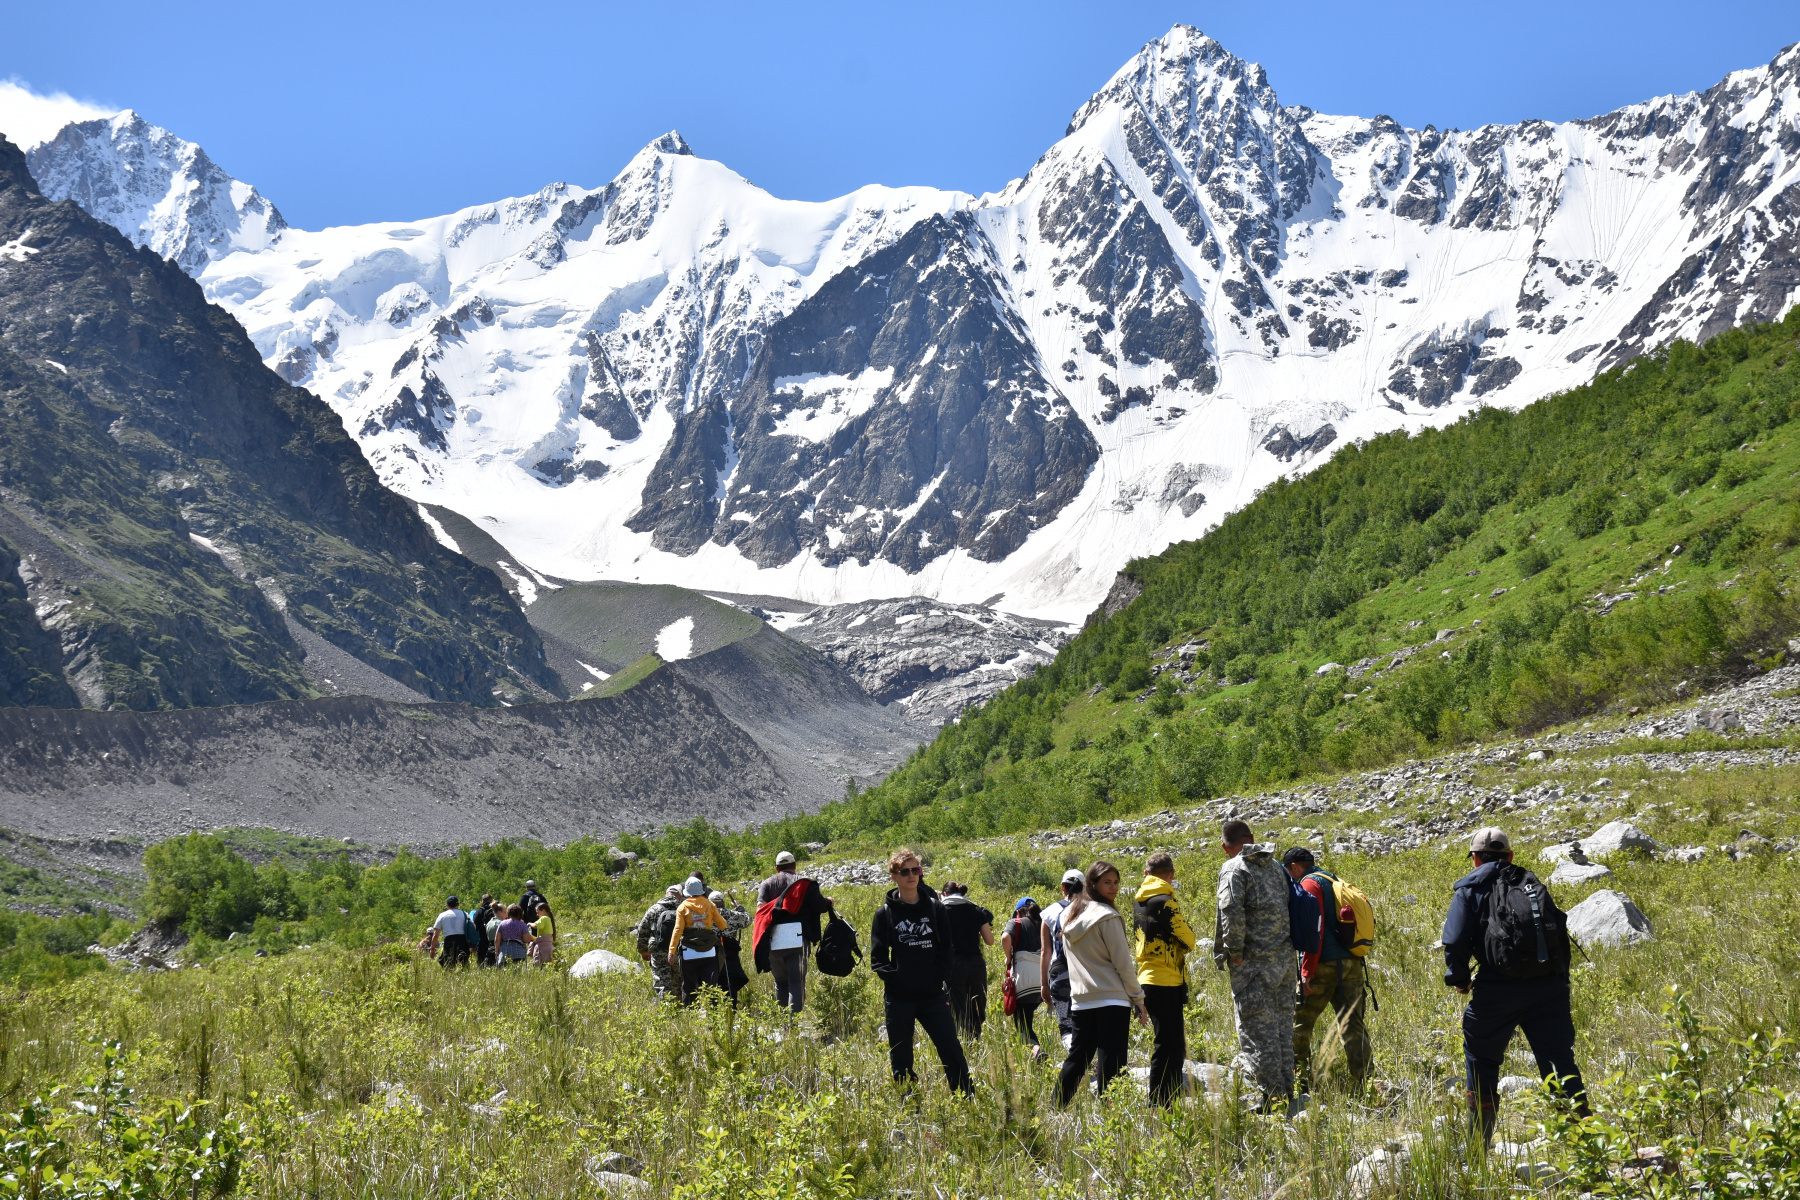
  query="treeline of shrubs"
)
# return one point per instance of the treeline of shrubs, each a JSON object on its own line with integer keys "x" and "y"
{"x": 1285, "y": 576}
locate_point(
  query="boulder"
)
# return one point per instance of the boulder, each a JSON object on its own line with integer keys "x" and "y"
{"x": 1538, "y": 756}
{"x": 1513, "y": 1084}
{"x": 1608, "y": 918}
{"x": 617, "y": 1183}
{"x": 1686, "y": 854}
{"x": 1749, "y": 844}
{"x": 600, "y": 962}
{"x": 619, "y": 861}
{"x": 1561, "y": 852}
{"x": 1619, "y": 837}
{"x": 1713, "y": 720}
{"x": 1573, "y": 874}
{"x": 1328, "y": 668}
{"x": 1382, "y": 1171}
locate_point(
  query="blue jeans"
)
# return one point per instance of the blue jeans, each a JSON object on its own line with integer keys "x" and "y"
{"x": 1539, "y": 1008}
{"x": 934, "y": 1018}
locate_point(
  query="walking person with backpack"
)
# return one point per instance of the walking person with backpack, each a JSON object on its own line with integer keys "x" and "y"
{"x": 510, "y": 935}
{"x": 971, "y": 927}
{"x": 1334, "y": 973}
{"x": 1502, "y": 916}
{"x": 653, "y": 932}
{"x": 1253, "y": 939}
{"x": 528, "y": 903}
{"x": 1022, "y": 944}
{"x": 1053, "y": 966}
{"x": 1163, "y": 941}
{"x": 1103, "y": 983}
{"x": 910, "y": 952}
{"x": 485, "y": 917}
{"x": 694, "y": 943}
{"x": 788, "y": 908}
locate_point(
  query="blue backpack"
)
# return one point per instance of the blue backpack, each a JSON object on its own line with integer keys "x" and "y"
{"x": 1305, "y": 919}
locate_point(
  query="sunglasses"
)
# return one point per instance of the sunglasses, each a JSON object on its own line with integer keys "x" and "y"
{"x": 907, "y": 871}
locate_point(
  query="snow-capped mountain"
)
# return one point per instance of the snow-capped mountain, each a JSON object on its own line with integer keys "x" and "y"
{"x": 156, "y": 189}
{"x": 679, "y": 378}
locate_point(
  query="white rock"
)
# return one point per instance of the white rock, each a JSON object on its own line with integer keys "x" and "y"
{"x": 1686, "y": 854}
{"x": 1381, "y": 1170}
{"x": 1513, "y": 1084}
{"x": 1619, "y": 836}
{"x": 615, "y": 1183}
{"x": 1560, "y": 852}
{"x": 600, "y": 962}
{"x": 1575, "y": 874}
{"x": 1608, "y": 918}
{"x": 1537, "y": 756}
{"x": 1328, "y": 668}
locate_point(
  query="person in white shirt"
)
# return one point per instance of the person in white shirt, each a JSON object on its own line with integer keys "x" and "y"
{"x": 1053, "y": 967}
{"x": 450, "y": 934}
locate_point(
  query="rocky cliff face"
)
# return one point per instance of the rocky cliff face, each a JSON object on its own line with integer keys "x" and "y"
{"x": 168, "y": 506}
{"x": 677, "y": 378}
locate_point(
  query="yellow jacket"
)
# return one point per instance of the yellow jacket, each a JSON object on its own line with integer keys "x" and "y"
{"x": 1162, "y": 937}
{"x": 695, "y": 910}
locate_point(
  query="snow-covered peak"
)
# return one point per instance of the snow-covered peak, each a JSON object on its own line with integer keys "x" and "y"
{"x": 155, "y": 188}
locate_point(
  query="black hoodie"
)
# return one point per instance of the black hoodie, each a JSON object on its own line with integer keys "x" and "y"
{"x": 910, "y": 946}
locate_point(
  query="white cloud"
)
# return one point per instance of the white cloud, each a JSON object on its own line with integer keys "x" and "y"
{"x": 27, "y": 118}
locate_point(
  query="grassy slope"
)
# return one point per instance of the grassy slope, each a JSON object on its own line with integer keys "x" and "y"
{"x": 618, "y": 622}
{"x": 1578, "y": 496}
{"x": 626, "y": 678}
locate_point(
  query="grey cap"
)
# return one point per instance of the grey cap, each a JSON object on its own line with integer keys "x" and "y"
{"x": 674, "y": 891}
{"x": 531, "y": 883}
{"x": 1074, "y": 875}
{"x": 718, "y": 899}
{"x": 785, "y": 859}
{"x": 1491, "y": 840}
{"x": 694, "y": 887}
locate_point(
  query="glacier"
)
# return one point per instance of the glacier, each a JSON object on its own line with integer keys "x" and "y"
{"x": 676, "y": 377}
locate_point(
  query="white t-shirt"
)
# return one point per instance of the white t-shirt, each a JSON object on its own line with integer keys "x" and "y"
{"x": 451, "y": 923}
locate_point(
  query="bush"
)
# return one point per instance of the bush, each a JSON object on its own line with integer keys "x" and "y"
{"x": 1532, "y": 560}
{"x": 1008, "y": 875}
{"x": 199, "y": 883}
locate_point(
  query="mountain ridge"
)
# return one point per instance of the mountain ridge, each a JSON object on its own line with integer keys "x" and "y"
{"x": 1220, "y": 287}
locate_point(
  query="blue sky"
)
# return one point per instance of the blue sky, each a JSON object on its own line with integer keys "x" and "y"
{"x": 346, "y": 112}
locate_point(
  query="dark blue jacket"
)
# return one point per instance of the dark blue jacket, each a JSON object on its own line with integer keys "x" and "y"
{"x": 1462, "y": 924}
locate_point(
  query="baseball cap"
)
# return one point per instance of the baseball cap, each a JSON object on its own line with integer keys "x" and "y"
{"x": 674, "y": 891}
{"x": 531, "y": 883}
{"x": 1072, "y": 875}
{"x": 718, "y": 898}
{"x": 1023, "y": 901}
{"x": 785, "y": 859}
{"x": 1490, "y": 840}
{"x": 694, "y": 887}
{"x": 1297, "y": 854}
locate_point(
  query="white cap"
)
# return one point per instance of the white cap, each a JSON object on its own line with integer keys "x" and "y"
{"x": 1073, "y": 875}
{"x": 694, "y": 887}
{"x": 785, "y": 859}
{"x": 718, "y": 898}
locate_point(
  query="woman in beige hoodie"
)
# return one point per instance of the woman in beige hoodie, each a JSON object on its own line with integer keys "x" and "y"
{"x": 1103, "y": 985}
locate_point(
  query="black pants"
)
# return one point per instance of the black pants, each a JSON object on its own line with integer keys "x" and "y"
{"x": 1168, "y": 1055}
{"x": 1102, "y": 1031}
{"x": 1538, "y": 1007}
{"x": 455, "y": 950}
{"x": 968, "y": 994}
{"x": 934, "y": 1018}
{"x": 1025, "y": 1014}
{"x": 697, "y": 973}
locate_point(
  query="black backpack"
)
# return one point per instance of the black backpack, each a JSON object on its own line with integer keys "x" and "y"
{"x": 1523, "y": 934}
{"x": 838, "y": 948}
{"x": 700, "y": 937}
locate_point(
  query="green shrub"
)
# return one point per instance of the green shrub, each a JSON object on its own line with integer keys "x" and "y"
{"x": 1008, "y": 875}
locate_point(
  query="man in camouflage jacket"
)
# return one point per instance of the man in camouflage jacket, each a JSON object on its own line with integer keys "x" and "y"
{"x": 1251, "y": 939}
{"x": 653, "y": 935}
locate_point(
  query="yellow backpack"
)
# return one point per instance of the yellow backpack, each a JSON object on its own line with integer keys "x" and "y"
{"x": 1349, "y": 915}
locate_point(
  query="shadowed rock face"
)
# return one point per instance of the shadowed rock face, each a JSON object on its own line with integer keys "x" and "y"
{"x": 422, "y": 774}
{"x": 167, "y": 502}
{"x": 897, "y": 414}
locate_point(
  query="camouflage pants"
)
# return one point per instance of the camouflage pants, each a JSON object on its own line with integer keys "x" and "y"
{"x": 664, "y": 978}
{"x": 1262, "y": 999}
{"x": 1342, "y": 984}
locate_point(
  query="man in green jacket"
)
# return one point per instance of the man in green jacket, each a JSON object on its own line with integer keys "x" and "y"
{"x": 1163, "y": 939}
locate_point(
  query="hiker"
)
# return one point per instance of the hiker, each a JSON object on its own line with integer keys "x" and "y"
{"x": 1053, "y": 966}
{"x": 694, "y": 944}
{"x": 485, "y": 917}
{"x": 528, "y": 903}
{"x": 541, "y": 939}
{"x": 788, "y": 908}
{"x": 1330, "y": 975}
{"x": 971, "y": 927}
{"x": 1022, "y": 943}
{"x": 510, "y": 935}
{"x": 450, "y": 934}
{"x": 1502, "y": 910}
{"x": 1163, "y": 941}
{"x": 910, "y": 951}
{"x": 732, "y": 976}
{"x": 1103, "y": 986}
{"x": 652, "y": 934}
{"x": 1251, "y": 938}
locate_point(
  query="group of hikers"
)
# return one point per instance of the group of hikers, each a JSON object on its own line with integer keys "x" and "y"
{"x": 494, "y": 934}
{"x": 1293, "y": 937}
